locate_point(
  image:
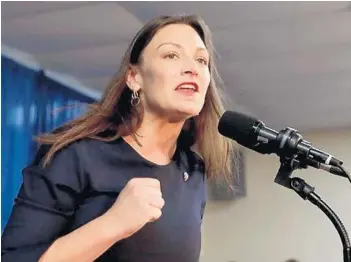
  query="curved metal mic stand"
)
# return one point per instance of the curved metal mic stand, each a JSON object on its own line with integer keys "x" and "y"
{"x": 306, "y": 192}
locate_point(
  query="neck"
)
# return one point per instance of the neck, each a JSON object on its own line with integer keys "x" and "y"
{"x": 158, "y": 139}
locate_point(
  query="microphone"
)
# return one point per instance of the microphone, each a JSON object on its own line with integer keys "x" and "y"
{"x": 253, "y": 134}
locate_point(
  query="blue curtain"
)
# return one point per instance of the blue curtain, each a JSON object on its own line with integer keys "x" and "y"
{"x": 29, "y": 106}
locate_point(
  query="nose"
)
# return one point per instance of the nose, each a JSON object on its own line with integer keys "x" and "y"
{"x": 190, "y": 68}
{"x": 191, "y": 72}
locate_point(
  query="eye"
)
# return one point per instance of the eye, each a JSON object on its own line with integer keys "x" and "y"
{"x": 202, "y": 60}
{"x": 171, "y": 56}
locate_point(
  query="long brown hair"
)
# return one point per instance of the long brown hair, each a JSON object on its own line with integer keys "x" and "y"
{"x": 115, "y": 113}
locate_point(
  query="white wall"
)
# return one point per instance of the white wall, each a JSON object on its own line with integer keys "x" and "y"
{"x": 273, "y": 223}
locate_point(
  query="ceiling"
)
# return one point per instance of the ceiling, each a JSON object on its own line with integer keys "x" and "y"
{"x": 287, "y": 63}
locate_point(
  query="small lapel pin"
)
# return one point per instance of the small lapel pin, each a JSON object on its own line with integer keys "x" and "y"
{"x": 185, "y": 176}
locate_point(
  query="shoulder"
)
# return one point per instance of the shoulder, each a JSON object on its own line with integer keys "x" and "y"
{"x": 67, "y": 164}
{"x": 80, "y": 151}
{"x": 69, "y": 153}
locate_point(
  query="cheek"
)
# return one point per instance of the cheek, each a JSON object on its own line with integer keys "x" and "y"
{"x": 169, "y": 71}
{"x": 159, "y": 83}
{"x": 167, "y": 79}
{"x": 206, "y": 81}
{"x": 162, "y": 76}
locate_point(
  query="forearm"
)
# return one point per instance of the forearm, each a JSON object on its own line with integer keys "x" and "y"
{"x": 85, "y": 244}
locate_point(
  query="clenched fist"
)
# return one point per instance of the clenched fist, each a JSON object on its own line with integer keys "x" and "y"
{"x": 139, "y": 202}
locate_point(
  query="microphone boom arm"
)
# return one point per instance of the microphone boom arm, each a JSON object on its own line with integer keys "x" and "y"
{"x": 306, "y": 192}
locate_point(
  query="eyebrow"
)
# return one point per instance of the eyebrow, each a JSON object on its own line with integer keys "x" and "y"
{"x": 179, "y": 46}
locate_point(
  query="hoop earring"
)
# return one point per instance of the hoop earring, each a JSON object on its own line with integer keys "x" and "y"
{"x": 135, "y": 100}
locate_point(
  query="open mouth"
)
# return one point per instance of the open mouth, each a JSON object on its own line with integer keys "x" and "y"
{"x": 188, "y": 87}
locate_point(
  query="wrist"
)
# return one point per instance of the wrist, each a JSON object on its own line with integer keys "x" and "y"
{"x": 112, "y": 228}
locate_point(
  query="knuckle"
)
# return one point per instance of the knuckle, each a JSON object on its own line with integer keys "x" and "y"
{"x": 134, "y": 182}
{"x": 131, "y": 182}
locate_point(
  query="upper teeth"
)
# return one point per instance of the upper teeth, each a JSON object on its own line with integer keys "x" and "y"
{"x": 187, "y": 87}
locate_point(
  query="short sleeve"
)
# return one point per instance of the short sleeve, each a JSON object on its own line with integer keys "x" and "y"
{"x": 44, "y": 206}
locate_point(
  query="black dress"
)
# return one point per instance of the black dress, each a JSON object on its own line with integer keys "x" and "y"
{"x": 84, "y": 180}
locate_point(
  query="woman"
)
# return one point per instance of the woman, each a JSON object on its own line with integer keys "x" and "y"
{"x": 123, "y": 182}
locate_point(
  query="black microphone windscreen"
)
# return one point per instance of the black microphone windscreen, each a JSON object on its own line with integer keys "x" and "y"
{"x": 236, "y": 125}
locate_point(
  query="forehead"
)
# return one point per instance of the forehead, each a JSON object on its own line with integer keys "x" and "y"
{"x": 181, "y": 34}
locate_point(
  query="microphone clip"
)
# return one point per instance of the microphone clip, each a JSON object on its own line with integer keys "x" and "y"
{"x": 287, "y": 166}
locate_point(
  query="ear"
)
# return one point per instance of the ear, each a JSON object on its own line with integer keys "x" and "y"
{"x": 134, "y": 79}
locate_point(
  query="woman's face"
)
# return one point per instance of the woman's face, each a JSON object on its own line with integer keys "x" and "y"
{"x": 174, "y": 74}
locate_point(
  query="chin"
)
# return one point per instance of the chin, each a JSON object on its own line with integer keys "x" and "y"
{"x": 182, "y": 114}
{"x": 190, "y": 112}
